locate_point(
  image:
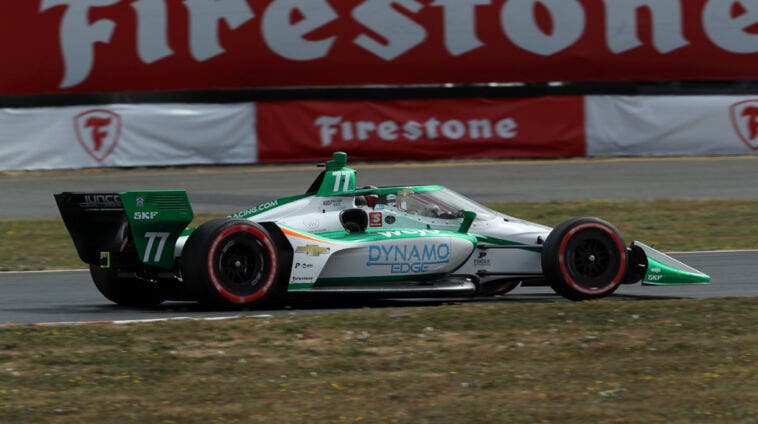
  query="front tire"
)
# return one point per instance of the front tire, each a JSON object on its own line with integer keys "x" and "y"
{"x": 233, "y": 262}
{"x": 584, "y": 258}
{"x": 125, "y": 291}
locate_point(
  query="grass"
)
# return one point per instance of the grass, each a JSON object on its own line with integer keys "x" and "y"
{"x": 686, "y": 361}
{"x": 665, "y": 224}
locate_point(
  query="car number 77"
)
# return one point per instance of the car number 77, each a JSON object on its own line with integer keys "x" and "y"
{"x": 151, "y": 236}
{"x": 338, "y": 177}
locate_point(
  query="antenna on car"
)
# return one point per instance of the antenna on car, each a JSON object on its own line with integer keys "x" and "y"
{"x": 339, "y": 160}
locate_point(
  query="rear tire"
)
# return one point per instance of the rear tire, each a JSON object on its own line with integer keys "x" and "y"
{"x": 584, "y": 258}
{"x": 233, "y": 262}
{"x": 125, "y": 291}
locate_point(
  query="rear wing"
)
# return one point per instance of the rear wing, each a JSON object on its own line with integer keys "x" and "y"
{"x": 121, "y": 230}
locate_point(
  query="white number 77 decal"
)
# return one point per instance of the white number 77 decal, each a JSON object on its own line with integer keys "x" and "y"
{"x": 338, "y": 177}
{"x": 151, "y": 236}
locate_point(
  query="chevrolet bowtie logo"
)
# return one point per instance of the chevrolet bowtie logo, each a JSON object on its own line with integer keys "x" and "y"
{"x": 312, "y": 250}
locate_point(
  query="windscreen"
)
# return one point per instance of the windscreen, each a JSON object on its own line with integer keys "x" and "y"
{"x": 441, "y": 204}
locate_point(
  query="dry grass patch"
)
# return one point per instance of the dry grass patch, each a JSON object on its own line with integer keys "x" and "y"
{"x": 608, "y": 361}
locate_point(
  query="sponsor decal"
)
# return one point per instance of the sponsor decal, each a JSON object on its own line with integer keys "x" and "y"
{"x": 303, "y": 265}
{"x": 101, "y": 201}
{"x": 389, "y": 219}
{"x": 745, "y": 121}
{"x": 481, "y": 259}
{"x": 336, "y": 129}
{"x": 404, "y": 233}
{"x": 418, "y": 128}
{"x": 312, "y": 250}
{"x": 333, "y": 205}
{"x": 256, "y": 209}
{"x": 408, "y": 259}
{"x": 145, "y": 216}
{"x": 98, "y": 131}
{"x": 302, "y": 279}
{"x": 311, "y": 223}
{"x": 655, "y": 274}
{"x": 140, "y": 202}
{"x": 375, "y": 219}
{"x": 394, "y": 42}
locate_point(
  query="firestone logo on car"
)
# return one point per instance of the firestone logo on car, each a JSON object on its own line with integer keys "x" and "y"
{"x": 98, "y": 131}
{"x": 745, "y": 120}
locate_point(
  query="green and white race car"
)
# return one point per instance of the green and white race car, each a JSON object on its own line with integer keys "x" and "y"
{"x": 410, "y": 241}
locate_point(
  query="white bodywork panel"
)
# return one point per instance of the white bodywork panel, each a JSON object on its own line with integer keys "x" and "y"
{"x": 317, "y": 258}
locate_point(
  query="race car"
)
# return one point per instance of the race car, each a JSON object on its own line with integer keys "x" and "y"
{"x": 400, "y": 241}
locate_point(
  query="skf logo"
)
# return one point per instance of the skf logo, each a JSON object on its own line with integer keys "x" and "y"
{"x": 98, "y": 131}
{"x": 145, "y": 216}
{"x": 745, "y": 121}
{"x": 312, "y": 250}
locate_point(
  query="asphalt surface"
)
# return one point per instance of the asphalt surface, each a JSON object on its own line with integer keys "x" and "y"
{"x": 227, "y": 189}
{"x": 70, "y": 296}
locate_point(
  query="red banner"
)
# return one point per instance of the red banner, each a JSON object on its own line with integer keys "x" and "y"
{"x": 59, "y": 46}
{"x": 421, "y": 129}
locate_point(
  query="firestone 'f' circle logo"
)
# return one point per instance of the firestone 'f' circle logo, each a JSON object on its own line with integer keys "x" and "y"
{"x": 745, "y": 120}
{"x": 98, "y": 131}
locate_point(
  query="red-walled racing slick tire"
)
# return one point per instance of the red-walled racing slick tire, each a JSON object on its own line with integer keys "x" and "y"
{"x": 233, "y": 262}
{"x": 584, "y": 258}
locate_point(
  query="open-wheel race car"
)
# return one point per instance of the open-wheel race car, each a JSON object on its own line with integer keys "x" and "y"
{"x": 409, "y": 241}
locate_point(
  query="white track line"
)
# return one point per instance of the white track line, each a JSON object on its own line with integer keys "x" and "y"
{"x": 696, "y": 252}
{"x": 43, "y": 271}
{"x": 133, "y": 321}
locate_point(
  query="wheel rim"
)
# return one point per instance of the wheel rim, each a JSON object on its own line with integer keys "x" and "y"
{"x": 591, "y": 258}
{"x": 241, "y": 265}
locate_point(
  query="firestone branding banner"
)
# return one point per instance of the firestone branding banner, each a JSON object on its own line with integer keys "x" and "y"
{"x": 671, "y": 125}
{"x": 126, "y": 135}
{"x": 51, "y": 46}
{"x": 421, "y": 129}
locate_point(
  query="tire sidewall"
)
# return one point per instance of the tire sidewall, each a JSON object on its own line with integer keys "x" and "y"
{"x": 559, "y": 273}
{"x": 200, "y": 263}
